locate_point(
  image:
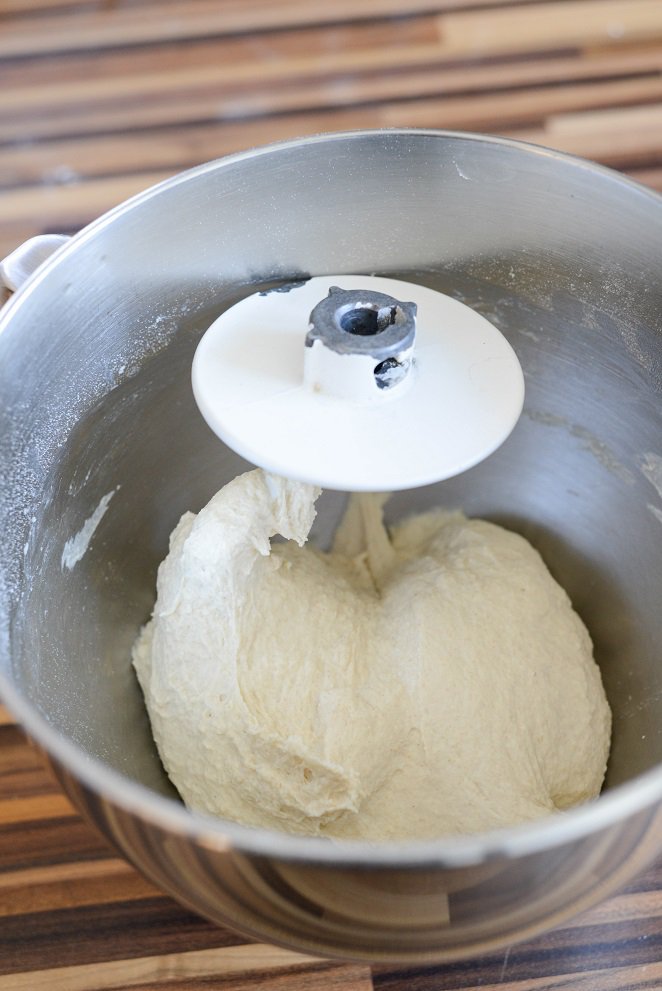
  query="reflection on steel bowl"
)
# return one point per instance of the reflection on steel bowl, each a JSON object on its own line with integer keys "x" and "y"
{"x": 95, "y": 404}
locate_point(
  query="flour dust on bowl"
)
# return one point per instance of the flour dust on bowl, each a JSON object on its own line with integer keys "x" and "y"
{"x": 103, "y": 449}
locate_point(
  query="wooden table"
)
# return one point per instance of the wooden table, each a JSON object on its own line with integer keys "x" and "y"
{"x": 100, "y": 99}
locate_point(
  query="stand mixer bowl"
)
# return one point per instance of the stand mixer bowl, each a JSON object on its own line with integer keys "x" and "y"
{"x": 98, "y": 423}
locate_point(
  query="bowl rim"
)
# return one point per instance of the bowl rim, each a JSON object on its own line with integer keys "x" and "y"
{"x": 452, "y": 852}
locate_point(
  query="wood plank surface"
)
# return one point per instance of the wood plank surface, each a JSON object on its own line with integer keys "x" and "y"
{"x": 100, "y": 99}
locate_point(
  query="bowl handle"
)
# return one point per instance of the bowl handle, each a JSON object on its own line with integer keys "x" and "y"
{"x": 24, "y": 261}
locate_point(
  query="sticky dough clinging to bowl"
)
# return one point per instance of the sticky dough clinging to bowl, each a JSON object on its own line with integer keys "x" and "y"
{"x": 412, "y": 683}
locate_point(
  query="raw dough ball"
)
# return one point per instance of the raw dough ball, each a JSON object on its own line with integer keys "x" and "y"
{"x": 429, "y": 681}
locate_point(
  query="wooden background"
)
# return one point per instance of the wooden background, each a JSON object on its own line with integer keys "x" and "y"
{"x": 100, "y": 99}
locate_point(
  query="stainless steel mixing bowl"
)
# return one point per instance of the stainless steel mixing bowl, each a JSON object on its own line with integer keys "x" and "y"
{"x": 95, "y": 351}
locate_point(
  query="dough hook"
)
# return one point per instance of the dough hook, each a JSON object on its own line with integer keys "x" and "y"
{"x": 359, "y": 383}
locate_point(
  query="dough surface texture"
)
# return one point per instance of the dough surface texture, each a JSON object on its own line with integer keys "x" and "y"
{"x": 428, "y": 680}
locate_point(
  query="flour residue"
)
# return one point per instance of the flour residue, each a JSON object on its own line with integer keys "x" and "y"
{"x": 600, "y": 451}
{"x": 657, "y": 513}
{"x": 76, "y": 546}
{"x": 461, "y": 174}
{"x": 651, "y": 468}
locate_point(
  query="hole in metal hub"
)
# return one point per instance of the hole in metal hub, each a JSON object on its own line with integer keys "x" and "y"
{"x": 365, "y": 320}
{"x": 389, "y": 372}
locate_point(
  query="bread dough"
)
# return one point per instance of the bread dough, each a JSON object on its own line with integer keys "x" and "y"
{"x": 428, "y": 680}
